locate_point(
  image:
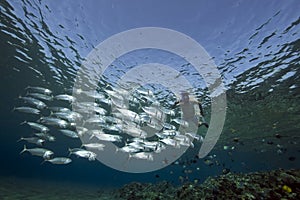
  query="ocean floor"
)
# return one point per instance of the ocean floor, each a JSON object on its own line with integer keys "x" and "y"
{"x": 277, "y": 184}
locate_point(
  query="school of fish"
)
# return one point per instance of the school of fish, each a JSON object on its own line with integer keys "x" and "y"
{"x": 135, "y": 121}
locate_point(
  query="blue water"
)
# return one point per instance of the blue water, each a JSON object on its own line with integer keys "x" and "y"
{"x": 255, "y": 44}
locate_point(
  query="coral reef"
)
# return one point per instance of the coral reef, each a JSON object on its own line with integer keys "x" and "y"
{"x": 277, "y": 184}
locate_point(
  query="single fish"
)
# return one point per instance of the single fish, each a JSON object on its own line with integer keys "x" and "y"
{"x": 195, "y": 136}
{"x": 161, "y": 135}
{"x": 136, "y": 145}
{"x": 83, "y": 153}
{"x": 45, "y": 153}
{"x": 181, "y": 122}
{"x": 65, "y": 116}
{"x": 105, "y": 101}
{"x": 169, "y": 126}
{"x": 40, "y": 96}
{"x": 187, "y": 143}
{"x": 114, "y": 94}
{"x": 155, "y": 123}
{"x": 145, "y": 118}
{"x": 171, "y": 142}
{"x": 39, "y": 90}
{"x": 59, "y": 161}
{"x": 69, "y": 133}
{"x": 180, "y": 137}
{"x": 159, "y": 148}
{"x": 65, "y": 97}
{"x": 170, "y": 132}
{"x": 35, "y": 102}
{"x": 81, "y": 130}
{"x": 134, "y": 131}
{"x": 96, "y": 119}
{"x": 142, "y": 155}
{"x": 127, "y": 149}
{"x": 52, "y": 121}
{"x": 128, "y": 113}
{"x": 114, "y": 127}
{"x": 59, "y": 109}
{"x": 150, "y": 145}
{"x": 114, "y": 120}
{"x": 86, "y": 105}
{"x": 143, "y": 91}
{"x": 168, "y": 111}
{"x": 46, "y": 136}
{"x": 184, "y": 140}
{"x": 36, "y": 126}
{"x": 29, "y": 110}
{"x": 96, "y": 146}
{"x": 155, "y": 112}
{"x": 104, "y": 137}
{"x": 94, "y": 94}
{"x": 33, "y": 140}
{"x": 120, "y": 103}
{"x": 150, "y": 110}
{"x": 99, "y": 110}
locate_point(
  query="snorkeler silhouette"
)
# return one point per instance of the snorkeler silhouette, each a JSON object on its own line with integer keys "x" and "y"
{"x": 188, "y": 109}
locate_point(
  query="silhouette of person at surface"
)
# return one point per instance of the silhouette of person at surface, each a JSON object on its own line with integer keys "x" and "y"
{"x": 189, "y": 111}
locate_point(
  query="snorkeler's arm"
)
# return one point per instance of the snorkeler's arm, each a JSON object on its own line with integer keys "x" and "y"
{"x": 201, "y": 109}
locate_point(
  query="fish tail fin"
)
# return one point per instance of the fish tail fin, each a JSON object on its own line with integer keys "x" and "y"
{"x": 140, "y": 106}
{"x": 12, "y": 110}
{"x": 107, "y": 85}
{"x": 129, "y": 156}
{"x": 19, "y": 97}
{"x": 44, "y": 161}
{"x": 91, "y": 136}
{"x": 23, "y": 122}
{"x": 70, "y": 152}
{"x": 24, "y": 149}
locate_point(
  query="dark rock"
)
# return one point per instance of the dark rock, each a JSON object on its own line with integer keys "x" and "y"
{"x": 292, "y": 158}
